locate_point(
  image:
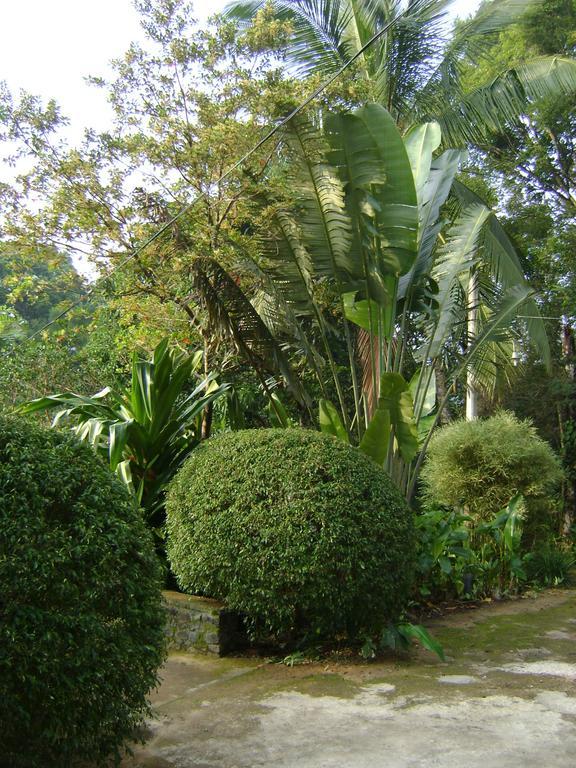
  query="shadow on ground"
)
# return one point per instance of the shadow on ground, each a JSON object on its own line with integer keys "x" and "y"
{"x": 506, "y": 698}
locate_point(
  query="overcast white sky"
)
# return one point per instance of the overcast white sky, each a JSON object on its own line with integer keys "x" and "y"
{"x": 47, "y": 47}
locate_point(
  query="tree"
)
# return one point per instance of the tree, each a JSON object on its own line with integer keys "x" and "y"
{"x": 187, "y": 107}
{"x": 417, "y": 73}
{"x": 414, "y": 68}
{"x": 385, "y": 225}
{"x": 531, "y": 164}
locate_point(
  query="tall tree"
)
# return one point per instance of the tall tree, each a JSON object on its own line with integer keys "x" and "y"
{"x": 188, "y": 104}
{"x": 414, "y": 68}
{"x": 532, "y": 165}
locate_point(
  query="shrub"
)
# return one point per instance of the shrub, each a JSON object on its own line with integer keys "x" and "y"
{"x": 297, "y": 530}
{"x": 81, "y": 624}
{"x": 480, "y": 465}
{"x": 550, "y": 565}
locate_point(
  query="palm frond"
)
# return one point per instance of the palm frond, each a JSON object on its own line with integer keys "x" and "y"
{"x": 490, "y": 108}
{"x": 495, "y": 330}
{"x": 320, "y": 209}
{"x": 501, "y": 259}
{"x": 231, "y": 314}
{"x": 318, "y": 40}
{"x": 458, "y": 255}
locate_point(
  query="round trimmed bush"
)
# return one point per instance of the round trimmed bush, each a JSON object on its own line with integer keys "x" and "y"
{"x": 482, "y": 464}
{"x": 295, "y": 529}
{"x": 81, "y": 622}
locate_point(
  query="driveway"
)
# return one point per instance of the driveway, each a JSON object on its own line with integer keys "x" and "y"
{"x": 506, "y": 698}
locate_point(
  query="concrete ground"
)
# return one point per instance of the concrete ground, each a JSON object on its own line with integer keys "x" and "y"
{"x": 506, "y": 698}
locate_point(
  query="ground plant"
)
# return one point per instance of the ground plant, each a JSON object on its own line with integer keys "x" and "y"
{"x": 146, "y": 430}
{"x": 300, "y": 532}
{"x": 81, "y": 623}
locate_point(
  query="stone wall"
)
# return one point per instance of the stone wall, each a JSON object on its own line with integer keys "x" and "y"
{"x": 199, "y": 624}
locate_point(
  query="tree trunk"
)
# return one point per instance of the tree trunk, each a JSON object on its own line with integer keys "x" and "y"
{"x": 441, "y": 390}
{"x": 569, "y": 355}
{"x": 472, "y": 333}
{"x": 206, "y": 428}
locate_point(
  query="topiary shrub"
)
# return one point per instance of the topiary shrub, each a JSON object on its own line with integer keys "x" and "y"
{"x": 480, "y": 465}
{"x": 295, "y": 529}
{"x": 81, "y": 623}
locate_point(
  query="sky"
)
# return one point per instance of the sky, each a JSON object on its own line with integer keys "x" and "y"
{"x": 48, "y": 47}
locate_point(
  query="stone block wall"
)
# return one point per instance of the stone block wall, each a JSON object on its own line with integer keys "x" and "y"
{"x": 199, "y": 624}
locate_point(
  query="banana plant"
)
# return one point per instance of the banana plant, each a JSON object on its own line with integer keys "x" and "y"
{"x": 146, "y": 430}
{"x": 381, "y": 219}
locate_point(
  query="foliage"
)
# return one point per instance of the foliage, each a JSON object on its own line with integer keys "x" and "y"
{"x": 296, "y": 529}
{"x": 551, "y": 565}
{"x": 29, "y": 368}
{"x": 460, "y": 557}
{"x": 147, "y": 430}
{"x": 414, "y": 69}
{"x": 384, "y": 223}
{"x": 187, "y": 103}
{"x": 81, "y": 626}
{"x": 398, "y": 637}
{"x": 444, "y": 554}
{"x": 478, "y": 466}
{"x": 498, "y": 564}
{"x": 37, "y": 282}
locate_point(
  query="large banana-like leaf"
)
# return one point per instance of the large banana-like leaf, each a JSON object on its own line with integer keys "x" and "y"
{"x": 421, "y": 142}
{"x": 370, "y": 155}
{"x": 376, "y": 439}
{"x": 423, "y": 391}
{"x": 395, "y": 412}
{"x": 434, "y": 184}
{"x": 330, "y": 421}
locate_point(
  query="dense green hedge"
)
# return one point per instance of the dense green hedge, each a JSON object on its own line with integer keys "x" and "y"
{"x": 482, "y": 464}
{"x": 81, "y": 623}
{"x": 296, "y": 529}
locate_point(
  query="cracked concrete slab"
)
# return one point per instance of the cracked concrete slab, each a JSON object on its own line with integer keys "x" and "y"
{"x": 506, "y": 699}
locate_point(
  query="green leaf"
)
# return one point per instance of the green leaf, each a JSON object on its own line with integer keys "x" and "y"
{"x": 425, "y": 424}
{"x": 364, "y": 313}
{"x": 376, "y": 439}
{"x": 424, "y": 397}
{"x": 370, "y": 155}
{"x": 395, "y": 398}
{"x": 277, "y": 413}
{"x": 330, "y": 421}
{"x": 421, "y": 142}
{"x": 118, "y": 434}
{"x": 418, "y": 632}
{"x": 513, "y": 527}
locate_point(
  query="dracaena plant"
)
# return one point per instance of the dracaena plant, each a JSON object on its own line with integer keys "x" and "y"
{"x": 146, "y": 430}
